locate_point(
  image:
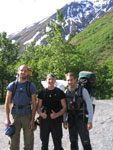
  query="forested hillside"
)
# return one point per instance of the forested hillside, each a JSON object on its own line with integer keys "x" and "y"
{"x": 90, "y": 50}
{"x": 97, "y": 39}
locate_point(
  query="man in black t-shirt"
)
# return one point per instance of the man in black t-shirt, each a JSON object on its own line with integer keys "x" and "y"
{"x": 51, "y": 106}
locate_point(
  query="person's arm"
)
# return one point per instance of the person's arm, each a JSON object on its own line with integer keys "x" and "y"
{"x": 61, "y": 112}
{"x": 39, "y": 105}
{"x": 7, "y": 107}
{"x": 33, "y": 110}
{"x": 89, "y": 105}
{"x": 65, "y": 120}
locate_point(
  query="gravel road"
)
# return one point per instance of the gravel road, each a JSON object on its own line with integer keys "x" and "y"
{"x": 101, "y": 135}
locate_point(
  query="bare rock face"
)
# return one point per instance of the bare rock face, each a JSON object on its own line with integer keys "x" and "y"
{"x": 101, "y": 135}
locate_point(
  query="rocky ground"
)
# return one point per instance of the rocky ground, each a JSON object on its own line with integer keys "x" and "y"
{"x": 101, "y": 135}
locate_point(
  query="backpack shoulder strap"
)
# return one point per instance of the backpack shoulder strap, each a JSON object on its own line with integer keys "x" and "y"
{"x": 15, "y": 83}
{"x": 67, "y": 91}
{"x": 79, "y": 91}
{"x": 79, "y": 94}
{"x": 44, "y": 92}
{"x": 28, "y": 88}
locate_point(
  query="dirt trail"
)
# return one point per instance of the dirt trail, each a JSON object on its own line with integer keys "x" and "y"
{"x": 101, "y": 134}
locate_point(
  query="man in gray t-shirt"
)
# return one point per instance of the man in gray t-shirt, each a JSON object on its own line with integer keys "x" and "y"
{"x": 22, "y": 114}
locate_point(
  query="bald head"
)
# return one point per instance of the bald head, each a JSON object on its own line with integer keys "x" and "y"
{"x": 23, "y": 73}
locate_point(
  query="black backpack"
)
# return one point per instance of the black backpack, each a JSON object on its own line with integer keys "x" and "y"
{"x": 87, "y": 80}
{"x": 15, "y": 84}
{"x": 79, "y": 104}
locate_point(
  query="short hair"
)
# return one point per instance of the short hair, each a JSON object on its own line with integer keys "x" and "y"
{"x": 51, "y": 75}
{"x": 22, "y": 66}
{"x": 70, "y": 74}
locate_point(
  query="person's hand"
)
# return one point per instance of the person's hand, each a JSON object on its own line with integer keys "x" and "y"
{"x": 7, "y": 123}
{"x": 65, "y": 125}
{"x": 53, "y": 115}
{"x": 89, "y": 126}
{"x": 43, "y": 115}
{"x": 32, "y": 124}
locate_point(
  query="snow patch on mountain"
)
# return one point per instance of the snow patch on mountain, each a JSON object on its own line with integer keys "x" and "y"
{"x": 39, "y": 41}
{"x": 67, "y": 37}
{"x": 32, "y": 39}
{"x": 77, "y": 16}
{"x": 48, "y": 29}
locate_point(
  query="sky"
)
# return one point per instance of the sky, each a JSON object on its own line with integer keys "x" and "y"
{"x": 18, "y": 14}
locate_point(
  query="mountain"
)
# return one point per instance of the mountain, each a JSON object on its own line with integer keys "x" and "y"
{"x": 96, "y": 41}
{"x": 77, "y": 15}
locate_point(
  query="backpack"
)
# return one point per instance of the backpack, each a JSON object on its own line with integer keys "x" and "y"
{"x": 15, "y": 84}
{"x": 87, "y": 80}
{"x": 75, "y": 102}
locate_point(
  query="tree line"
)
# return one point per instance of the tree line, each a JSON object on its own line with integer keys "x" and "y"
{"x": 58, "y": 56}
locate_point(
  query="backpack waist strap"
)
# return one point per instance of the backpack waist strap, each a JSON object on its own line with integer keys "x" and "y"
{"x": 21, "y": 106}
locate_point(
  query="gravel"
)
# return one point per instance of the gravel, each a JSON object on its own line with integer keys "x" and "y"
{"x": 101, "y": 134}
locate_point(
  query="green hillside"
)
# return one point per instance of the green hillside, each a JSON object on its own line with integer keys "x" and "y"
{"x": 96, "y": 41}
{"x": 96, "y": 46}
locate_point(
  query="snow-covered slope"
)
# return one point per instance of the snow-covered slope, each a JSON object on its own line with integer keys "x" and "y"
{"x": 77, "y": 15}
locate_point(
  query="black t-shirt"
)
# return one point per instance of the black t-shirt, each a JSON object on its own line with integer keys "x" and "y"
{"x": 51, "y": 99}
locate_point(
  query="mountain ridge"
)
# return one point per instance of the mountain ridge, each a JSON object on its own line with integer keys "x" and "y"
{"x": 77, "y": 15}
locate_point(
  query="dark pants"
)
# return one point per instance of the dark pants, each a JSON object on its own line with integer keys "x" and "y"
{"x": 53, "y": 126}
{"x": 78, "y": 126}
